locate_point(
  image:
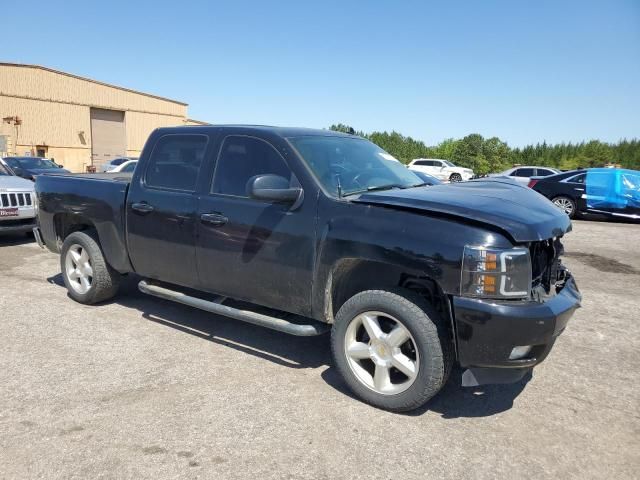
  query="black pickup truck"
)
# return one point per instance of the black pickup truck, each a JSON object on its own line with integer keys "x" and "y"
{"x": 306, "y": 231}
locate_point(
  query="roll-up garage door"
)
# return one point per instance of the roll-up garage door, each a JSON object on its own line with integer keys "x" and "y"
{"x": 108, "y": 137}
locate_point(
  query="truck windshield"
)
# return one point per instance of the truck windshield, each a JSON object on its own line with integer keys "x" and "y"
{"x": 346, "y": 165}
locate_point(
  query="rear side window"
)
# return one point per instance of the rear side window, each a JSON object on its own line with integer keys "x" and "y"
{"x": 580, "y": 178}
{"x": 242, "y": 158}
{"x": 175, "y": 162}
{"x": 523, "y": 172}
{"x": 424, "y": 163}
{"x": 544, "y": 173}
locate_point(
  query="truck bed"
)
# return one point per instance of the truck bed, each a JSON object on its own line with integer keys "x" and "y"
{"x": 114, "y": 177}
{"x": 96, "y": 199}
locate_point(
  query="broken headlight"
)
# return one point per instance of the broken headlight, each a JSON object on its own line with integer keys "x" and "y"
{"x": 495, "y": 273}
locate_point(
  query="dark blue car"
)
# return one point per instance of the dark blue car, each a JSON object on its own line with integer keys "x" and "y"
{"x": 610, "y": 192}
{"x": 29, "y": 167}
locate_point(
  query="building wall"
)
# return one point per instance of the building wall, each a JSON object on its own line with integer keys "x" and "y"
{"x": 44, "y": 84}
{"x": 55, "y": 125}
{"x": 54, "y": 109}
{"x": 140, "y": 125}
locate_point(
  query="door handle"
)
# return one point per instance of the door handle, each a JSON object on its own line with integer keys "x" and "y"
{"x": 142, "y": 208}
{"x": 579, "y": 189}
{"x": 214, "y": 219}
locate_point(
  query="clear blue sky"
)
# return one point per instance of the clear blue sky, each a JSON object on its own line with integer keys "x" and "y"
{"x": 524, "y": 71}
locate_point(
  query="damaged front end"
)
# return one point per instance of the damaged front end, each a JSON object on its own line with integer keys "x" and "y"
{"x": 549, "y": 275}
{"x": 499, "y": 341}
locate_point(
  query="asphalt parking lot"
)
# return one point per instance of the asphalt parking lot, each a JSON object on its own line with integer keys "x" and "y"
{"x": 143, "y": 388}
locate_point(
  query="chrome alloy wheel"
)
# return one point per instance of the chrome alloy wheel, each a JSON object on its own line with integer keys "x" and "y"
{"x": 78, "y": 269}
{"x": 381, "y": 353}
{"x": 564, "y": 204}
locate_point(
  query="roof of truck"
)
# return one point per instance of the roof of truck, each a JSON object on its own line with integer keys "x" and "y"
{"x": 281, "y": 131}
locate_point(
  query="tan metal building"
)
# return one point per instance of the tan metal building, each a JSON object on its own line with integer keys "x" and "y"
{"x": 78, "y": 121}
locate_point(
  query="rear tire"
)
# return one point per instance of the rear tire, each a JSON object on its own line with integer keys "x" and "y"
{"x": 408, "y": 340}
{"x": 566, "y": 204}
{"x": 87, "y": 275}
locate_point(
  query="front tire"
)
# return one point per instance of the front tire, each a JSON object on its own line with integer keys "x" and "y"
{"x": 87, "y": 275}
{"x": 391, "y": 349}
{"x": 455, "y": 177}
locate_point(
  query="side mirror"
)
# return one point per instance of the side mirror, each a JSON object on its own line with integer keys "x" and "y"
{"x": 273, "y": 188}
{"x": 59, "y": 166}
{"x": 443, "y": 167}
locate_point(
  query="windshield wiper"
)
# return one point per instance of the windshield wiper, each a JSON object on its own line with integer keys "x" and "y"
{"x": 376, "y": 188}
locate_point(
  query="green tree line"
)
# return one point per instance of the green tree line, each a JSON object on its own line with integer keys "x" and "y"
{"x": 488, "y": 155}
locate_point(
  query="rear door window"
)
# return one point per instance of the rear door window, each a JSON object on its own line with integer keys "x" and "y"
{"x": 175, "y": 162}
{"x": 580, "y": 178}
{"x": 543, "y": 172}
{"x": 524, "y": 172}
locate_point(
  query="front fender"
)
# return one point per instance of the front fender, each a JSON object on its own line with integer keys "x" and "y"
{"x": 390, "y": 239}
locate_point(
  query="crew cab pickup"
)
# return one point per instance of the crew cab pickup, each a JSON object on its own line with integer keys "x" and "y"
{"x": 306, "y": 231}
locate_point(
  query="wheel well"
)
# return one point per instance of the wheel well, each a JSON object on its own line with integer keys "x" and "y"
{"x": 65, "y": 224}
{"x": 564, "y": 195}
{"x": 353, "y": 276}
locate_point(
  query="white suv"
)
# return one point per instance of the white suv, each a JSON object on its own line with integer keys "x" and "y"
{"x": 18, "y": 207}
{"x": 441, "y": 169}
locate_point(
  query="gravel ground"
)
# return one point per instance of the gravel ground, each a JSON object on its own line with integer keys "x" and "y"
{"x": 143, "y": 388}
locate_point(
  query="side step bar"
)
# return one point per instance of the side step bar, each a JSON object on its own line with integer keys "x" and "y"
{"x": 274, "y": 323}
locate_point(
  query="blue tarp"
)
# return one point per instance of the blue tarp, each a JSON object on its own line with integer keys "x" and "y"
{"x": 613, "y": 188}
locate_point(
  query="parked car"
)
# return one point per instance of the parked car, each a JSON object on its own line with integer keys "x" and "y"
{"x": 305, "y": 231}
{"x": 17, "y": 203}
{"x": 126, "y": 167}
{"x": 115, "y": 163}
{"x": 441, "y": 169}
{"x": 523, "y": 174}
{"x": 600, "y": 191}
{"x": 30, "y": 167}
{"x": 426, "y": 178}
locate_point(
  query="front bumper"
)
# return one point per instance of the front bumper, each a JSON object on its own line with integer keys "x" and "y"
{"x": 488, "y": 330}
{"x": 22, "y": 225}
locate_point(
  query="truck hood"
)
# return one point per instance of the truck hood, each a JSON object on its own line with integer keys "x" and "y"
{"x": 522, "y": 213}
{"x": 15, "y": 183}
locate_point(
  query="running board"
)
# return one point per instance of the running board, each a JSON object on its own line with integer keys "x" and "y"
{"x": 274, "y": 323}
